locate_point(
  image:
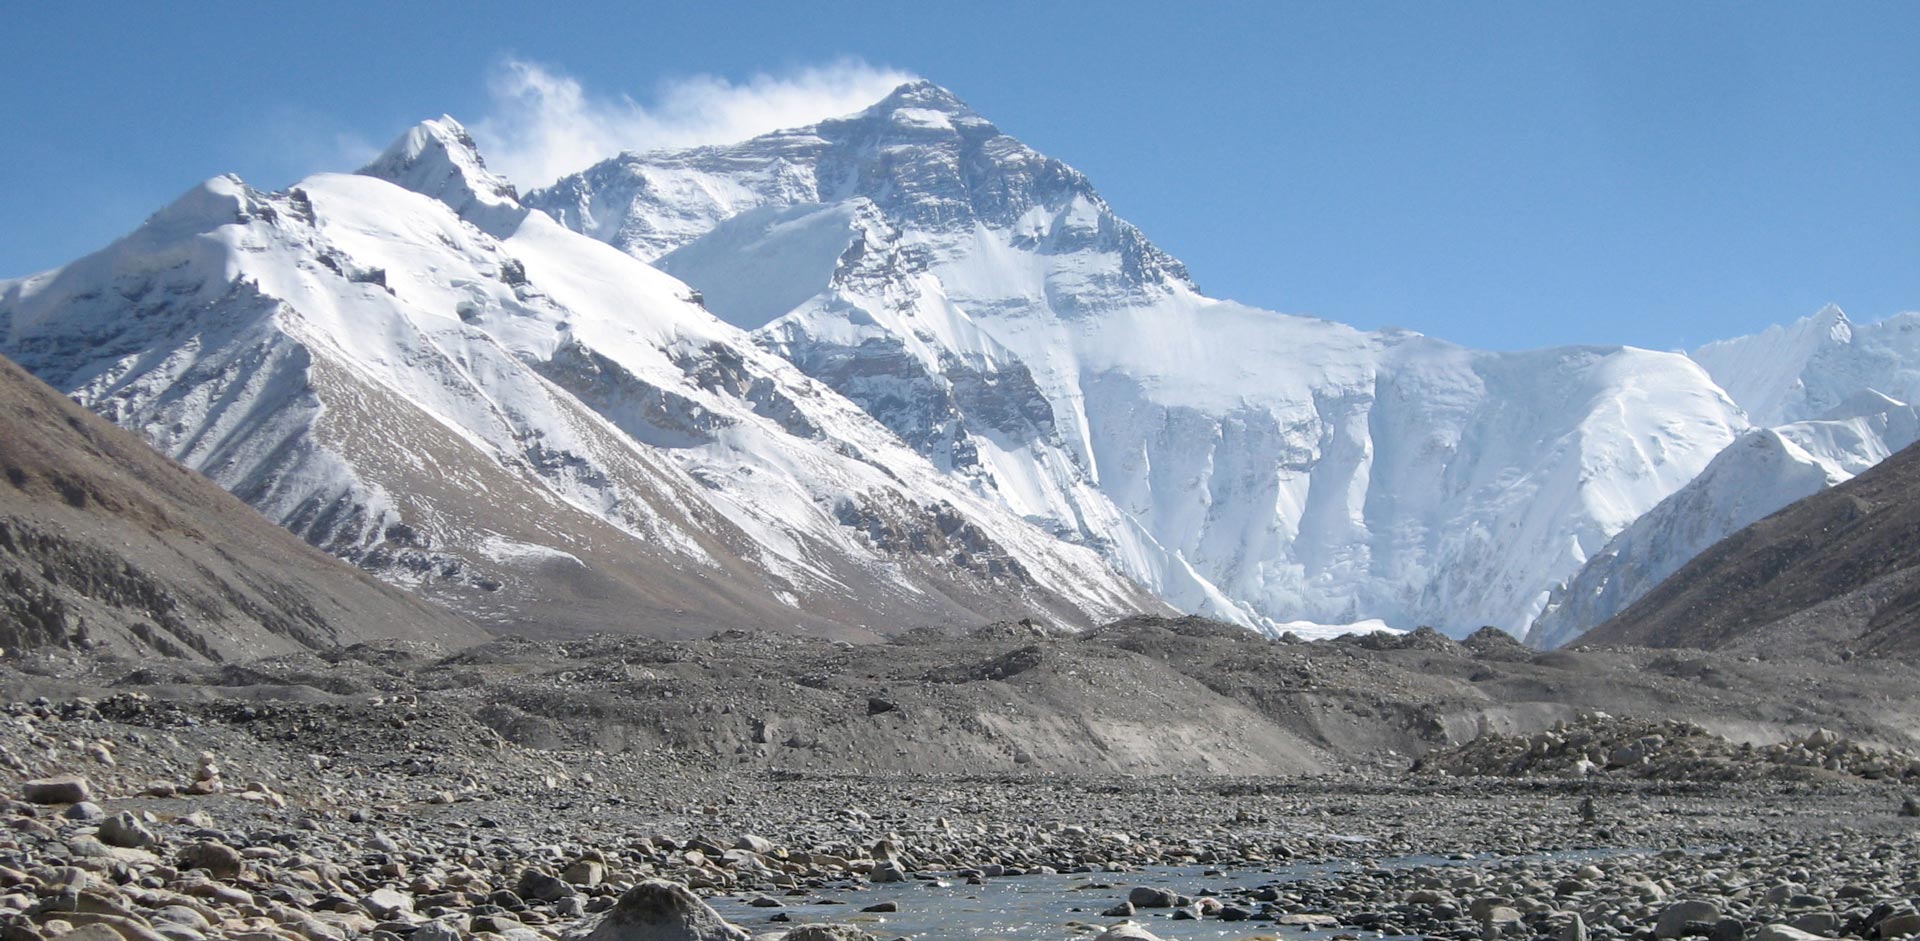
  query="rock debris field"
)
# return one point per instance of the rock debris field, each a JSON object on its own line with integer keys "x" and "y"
{"x": 397, "y": 793}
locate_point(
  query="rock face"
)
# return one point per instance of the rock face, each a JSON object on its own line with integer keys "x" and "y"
{"x": 662, "y": 911}
{"x": 1838, "y": 571}
{"x": 982, "y": 301}
{"x": 412, "y": 371}
{"x": 104, "y": 542}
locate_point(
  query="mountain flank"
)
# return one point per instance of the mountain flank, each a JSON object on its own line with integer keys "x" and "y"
{"x": 1837, "y": 572}
{"x": 105, "y": 543}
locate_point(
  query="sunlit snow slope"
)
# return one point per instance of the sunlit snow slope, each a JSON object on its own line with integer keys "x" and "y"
{"x": 1806, "y": 369}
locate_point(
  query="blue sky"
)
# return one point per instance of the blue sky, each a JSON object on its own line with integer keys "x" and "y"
{"x": 1503, "y": 175}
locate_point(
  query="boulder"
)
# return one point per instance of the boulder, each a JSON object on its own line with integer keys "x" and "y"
{"x": 828, "y": 933}
{"x": 1784, "y": 933}
{"x": 1127, "y": 931}
{"x": 1901, "y": 925}
{"x": 126, "y": 831}
{"x": 538, "y": 886}
{"x": 757, "y": 844}
{"x": 1675, "y": 919}
{"x": 586, "y": 873}
{"x": 59, "y": 789}
{"x": 657, "y": 910}
{"x": 435, "y": 931}
{"x": 387, "y": 903}
{"x": 223, "y": 861}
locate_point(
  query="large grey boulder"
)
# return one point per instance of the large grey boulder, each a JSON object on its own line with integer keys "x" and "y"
{"x": 662, "y": 911}
{"x": 827, "y": 933}
{"x": 1675, "y": 920}
{"x": 125, "y": 830}
{"x": 1127, "y": 931}
{"x": 59, "y": 789}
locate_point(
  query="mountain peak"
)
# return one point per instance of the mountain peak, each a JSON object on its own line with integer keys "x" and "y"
{"x": 1834, "y": 321}
{"x": 438, "y": 158}
{"x": 921, "y": 93}
{"x": 921, "y": 102}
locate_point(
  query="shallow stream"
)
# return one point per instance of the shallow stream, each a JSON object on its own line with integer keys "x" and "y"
{"x": 1066, "y": 905}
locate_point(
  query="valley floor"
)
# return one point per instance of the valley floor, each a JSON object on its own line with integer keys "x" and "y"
{"x": 517, "y": 790}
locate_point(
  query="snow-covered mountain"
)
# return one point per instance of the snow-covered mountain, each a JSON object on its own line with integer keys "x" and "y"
{"x": 896, "y": 369}
{"x": 984, "y": 302}
{"x": 1764, "y": 470}
{"x": 1832, "y": 399}
{"x": 409, "y": 368}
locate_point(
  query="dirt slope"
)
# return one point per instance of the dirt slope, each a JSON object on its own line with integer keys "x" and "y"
{"x": 106, "y": 544}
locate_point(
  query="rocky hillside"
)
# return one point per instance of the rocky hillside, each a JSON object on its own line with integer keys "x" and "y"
{"x": 1836, "y": 572}
{"x": 104, "y": 543}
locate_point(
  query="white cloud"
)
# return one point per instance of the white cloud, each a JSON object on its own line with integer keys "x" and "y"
{"x": 544, "y": 125}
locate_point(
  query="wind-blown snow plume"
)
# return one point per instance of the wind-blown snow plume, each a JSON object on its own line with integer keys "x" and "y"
{"x": 545, "y": 124}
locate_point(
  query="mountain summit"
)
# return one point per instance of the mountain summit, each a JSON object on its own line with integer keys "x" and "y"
{"x": 439, "y": 159}
{"x": 923, "y": 95}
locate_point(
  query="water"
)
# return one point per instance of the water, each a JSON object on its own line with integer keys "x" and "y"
{"x": 1011, "y": 907}
{"x": 1062, "y": 906}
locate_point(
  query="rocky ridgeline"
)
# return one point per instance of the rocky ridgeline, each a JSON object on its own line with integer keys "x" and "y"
{"x": 1596, "y": 744}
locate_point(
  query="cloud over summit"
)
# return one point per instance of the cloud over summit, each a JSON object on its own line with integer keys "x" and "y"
{"x": 543, "y": 124}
